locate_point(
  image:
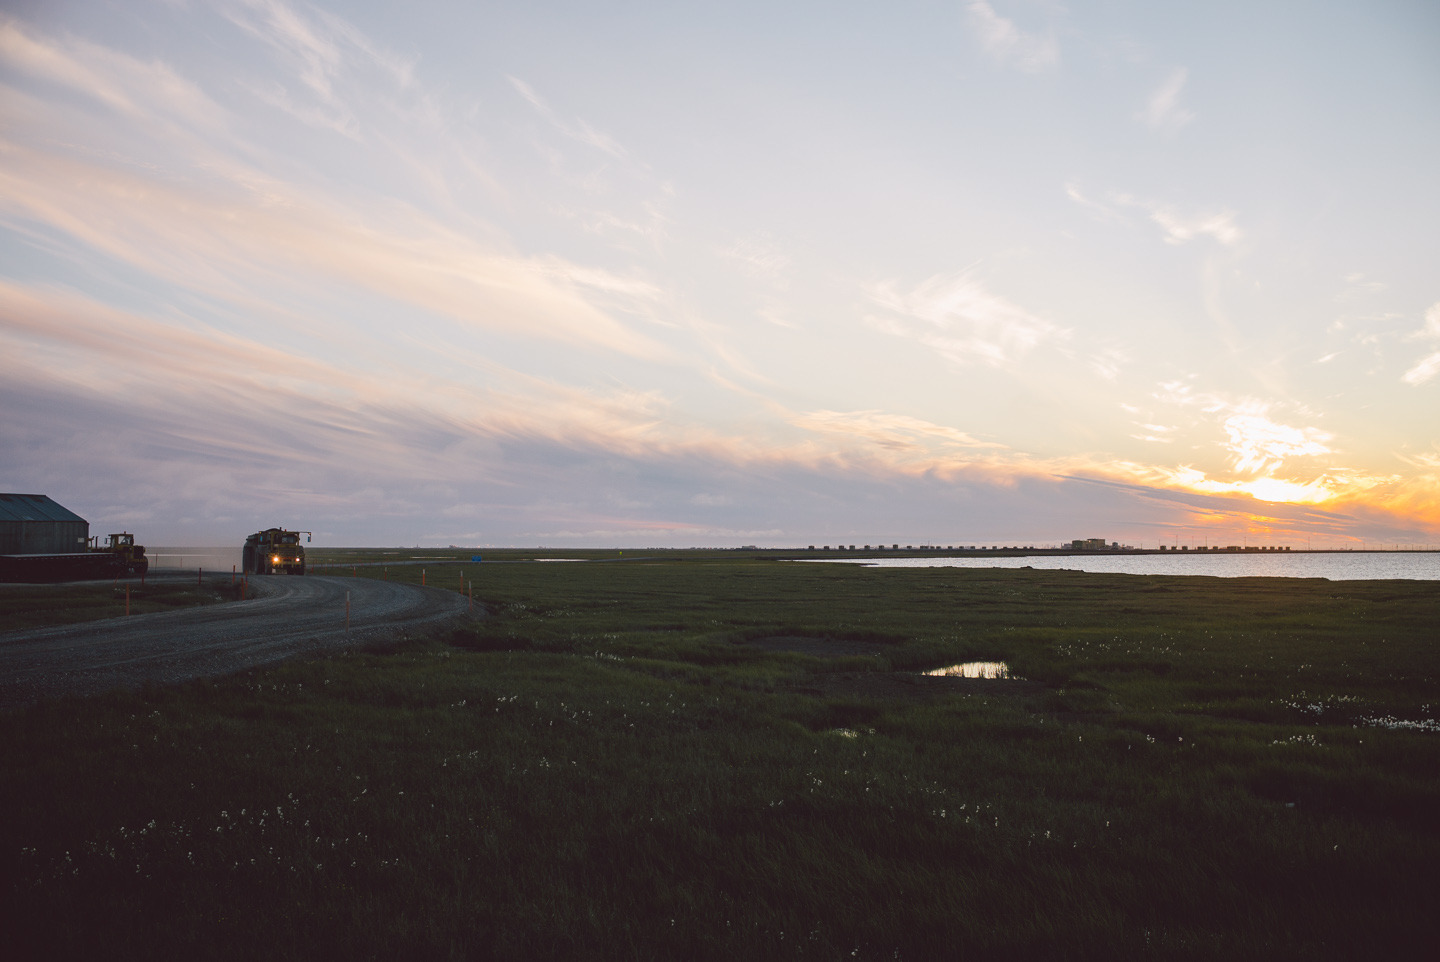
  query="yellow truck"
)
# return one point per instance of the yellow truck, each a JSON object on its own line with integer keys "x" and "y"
{"x": 274, "y": 551}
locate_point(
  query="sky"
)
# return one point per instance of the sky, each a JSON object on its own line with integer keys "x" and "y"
{"x": 658, "y": 274}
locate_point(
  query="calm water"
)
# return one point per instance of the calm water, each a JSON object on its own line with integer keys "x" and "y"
{"x": 974, "y": 669}
{"x": 1339, "y": 566}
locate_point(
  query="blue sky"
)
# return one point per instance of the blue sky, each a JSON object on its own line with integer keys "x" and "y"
{"x": 638, "y": 274}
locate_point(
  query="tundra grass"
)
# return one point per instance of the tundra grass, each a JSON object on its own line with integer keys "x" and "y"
{"x": 613, "y": 765}
{"x": 39, "y": 605}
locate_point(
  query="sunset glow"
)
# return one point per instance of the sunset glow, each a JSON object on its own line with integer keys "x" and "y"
{"x": 561, "y": 274}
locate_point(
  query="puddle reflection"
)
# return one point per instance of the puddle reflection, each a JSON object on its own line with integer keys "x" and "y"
{"x": 975, "y": 669}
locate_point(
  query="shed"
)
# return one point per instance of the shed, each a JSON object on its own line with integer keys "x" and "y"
{"x": 33, "y": 524}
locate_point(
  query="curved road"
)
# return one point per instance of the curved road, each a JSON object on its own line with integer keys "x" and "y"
{"x": 289, "y": 616}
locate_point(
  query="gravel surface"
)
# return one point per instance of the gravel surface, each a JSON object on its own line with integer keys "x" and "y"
{"x": 287, "y": 617}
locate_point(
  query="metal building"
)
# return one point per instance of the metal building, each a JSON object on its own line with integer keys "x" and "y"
{"x": 33, "y": 524}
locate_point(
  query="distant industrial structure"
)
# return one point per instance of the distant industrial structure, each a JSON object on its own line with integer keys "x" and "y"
{"x": 1077, "y": 546}
{"x": 33, "y": 524}
{"x": 1093, "y": 544}
{"x": 1228, "y": 547}
{"x": 44, "y": 541}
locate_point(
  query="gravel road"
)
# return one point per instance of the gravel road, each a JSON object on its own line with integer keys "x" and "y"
{"x": 286, "y": 617}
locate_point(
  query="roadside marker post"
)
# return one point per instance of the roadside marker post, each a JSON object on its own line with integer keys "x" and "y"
{"x": 200, "y": 577}
{"x": 127, "y": 601}
{"x": 422, "y": 577}
{"x": 347, "y": 611}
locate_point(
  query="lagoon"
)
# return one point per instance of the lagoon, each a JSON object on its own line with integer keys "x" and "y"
{"x": 1333, "y": 565}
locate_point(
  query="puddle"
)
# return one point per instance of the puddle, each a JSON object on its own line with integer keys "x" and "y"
{"x": 975, "y": 669}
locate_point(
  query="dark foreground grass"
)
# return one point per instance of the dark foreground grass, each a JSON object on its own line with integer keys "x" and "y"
{"x": 606, "y": 767}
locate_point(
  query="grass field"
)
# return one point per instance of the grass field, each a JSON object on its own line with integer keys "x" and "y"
{"x": 39, "y": 605}
{"x": 625, "y": 760}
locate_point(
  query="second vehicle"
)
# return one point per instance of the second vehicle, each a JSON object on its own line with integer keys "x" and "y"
{"x": 275, "y": 551}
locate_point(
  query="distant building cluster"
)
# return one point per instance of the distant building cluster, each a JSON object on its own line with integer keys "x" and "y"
{"x": 1228, "y": 547}
{"x": 1099, "y": 544}
{"x": 921, "y": 547}
{"x": 1079, "y": 544}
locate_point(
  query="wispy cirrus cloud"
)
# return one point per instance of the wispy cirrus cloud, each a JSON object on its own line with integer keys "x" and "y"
{"x": 616, "y": 196}
{"x": 1098, "y": 209}
{"x": 317, "y": 48}
{"x": 1163, "y": 110}
{"x": 1256, "y": 442}
{"x": 576, "y": 129}
{"x": 1155, "y": 433}
{"x": 895, "y": 432}
{"x": 185, "y": 377}
{"x": 1007, "y": 43}
{"x": 321, "y": 55}
{"x": 1177, "y": 225}
{"x": 109, "y": 78}
{"x": 957, "y": 316}
{"x": 1108, "y": 362}
{"x": 1180, "y": 226}
{"x": 1427, "y": 460}
{"x": 1260, "y": 445}
{"x": 1358, "y": 286}
{"x": 213, "y": 412}
{"x": 223, "y": 233}
{"x": 1428, "y": 366}
{"x": 1262, "y": 456}
{"x": 759, "y": 257}
{"x": 316, "y": 59}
